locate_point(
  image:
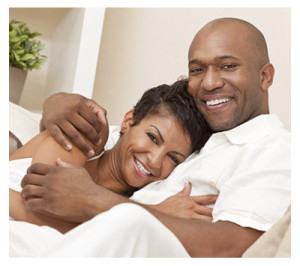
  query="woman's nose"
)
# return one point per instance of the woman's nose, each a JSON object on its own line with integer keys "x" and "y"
{"x": 155, "y": 158}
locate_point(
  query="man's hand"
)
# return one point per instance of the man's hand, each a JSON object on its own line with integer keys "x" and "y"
{"x": 186, "y": 206}
{"x": 71, "y": 116}
{"x": 64, "y": 190}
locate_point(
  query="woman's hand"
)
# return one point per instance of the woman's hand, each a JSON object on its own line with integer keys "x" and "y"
{"x": 186, "y": 206}
{"x": 74, "y": 116}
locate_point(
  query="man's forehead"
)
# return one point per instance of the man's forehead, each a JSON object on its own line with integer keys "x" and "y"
{"x": 219, "y": 44}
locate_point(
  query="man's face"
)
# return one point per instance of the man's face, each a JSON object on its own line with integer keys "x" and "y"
{"x": 224, "y": 77}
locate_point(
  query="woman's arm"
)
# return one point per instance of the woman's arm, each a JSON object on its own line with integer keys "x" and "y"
{"x": 44, "y": 149}
{"x": 19, "y": 213}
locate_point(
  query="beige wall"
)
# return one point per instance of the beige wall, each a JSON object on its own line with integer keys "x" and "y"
{"x": 141, "y": 48}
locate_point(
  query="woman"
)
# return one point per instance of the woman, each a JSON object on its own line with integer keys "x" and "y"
{"x": 164, "y": 128}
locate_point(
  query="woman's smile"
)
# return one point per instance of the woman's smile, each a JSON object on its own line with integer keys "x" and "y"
{"x": 141, "y": 170}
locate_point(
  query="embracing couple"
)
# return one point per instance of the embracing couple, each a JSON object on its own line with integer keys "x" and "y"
{"x": 215, "y": 162}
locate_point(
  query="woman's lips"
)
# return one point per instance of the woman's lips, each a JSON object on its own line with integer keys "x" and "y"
{"x": 141, "y": 170}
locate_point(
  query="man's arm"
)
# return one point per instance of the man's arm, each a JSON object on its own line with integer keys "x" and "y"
{"x": 200, "y": 238}
{"x": 70, "y": 191}
{"x": 68, "y": 116}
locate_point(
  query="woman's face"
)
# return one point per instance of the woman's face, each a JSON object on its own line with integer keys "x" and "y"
{"x": 151, "y": 150}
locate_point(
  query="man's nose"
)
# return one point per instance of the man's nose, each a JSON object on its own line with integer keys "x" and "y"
{"x": 212, "y": 80}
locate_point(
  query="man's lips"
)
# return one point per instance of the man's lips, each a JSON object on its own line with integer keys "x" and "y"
{"x": 215, "y": 103}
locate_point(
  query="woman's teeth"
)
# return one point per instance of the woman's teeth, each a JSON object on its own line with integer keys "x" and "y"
{"x": 218, "y": 101}
{"x": 141, "y": 167}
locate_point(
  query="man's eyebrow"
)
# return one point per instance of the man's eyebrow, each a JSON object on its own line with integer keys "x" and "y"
{"x": 218, "y": 58}
{"x": 194, "y": 61}
{"x": 162, "y": 139}
{"x": 223, "y": 57}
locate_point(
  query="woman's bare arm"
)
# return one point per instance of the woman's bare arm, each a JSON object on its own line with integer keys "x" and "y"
{"x": 42, "y": 149}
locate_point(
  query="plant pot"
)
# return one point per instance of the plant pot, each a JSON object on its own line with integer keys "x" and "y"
{"x": 17, "y": 77}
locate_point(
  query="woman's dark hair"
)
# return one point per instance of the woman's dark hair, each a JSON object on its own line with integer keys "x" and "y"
{"x": 176, "y": 100}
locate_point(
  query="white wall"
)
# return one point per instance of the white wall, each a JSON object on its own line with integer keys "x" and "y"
{"x": 145, "y": 47}
{"x": 72, "y": 50}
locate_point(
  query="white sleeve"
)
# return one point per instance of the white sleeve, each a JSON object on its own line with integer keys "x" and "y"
{"x": 258, "y": 194}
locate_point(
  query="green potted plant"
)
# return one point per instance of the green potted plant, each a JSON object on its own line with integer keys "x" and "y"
{"x": 24, "y": 55}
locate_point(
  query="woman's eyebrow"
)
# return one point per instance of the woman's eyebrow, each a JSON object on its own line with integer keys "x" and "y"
{"x": 162, "y": 139}
{"x": 158, "y": 132}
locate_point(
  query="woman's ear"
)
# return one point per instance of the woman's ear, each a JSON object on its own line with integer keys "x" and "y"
{"x": 267, "y": 75}
{"x": 127, "y": 121}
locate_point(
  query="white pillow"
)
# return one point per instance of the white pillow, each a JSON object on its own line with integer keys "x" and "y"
{"x": 23, "y": 124}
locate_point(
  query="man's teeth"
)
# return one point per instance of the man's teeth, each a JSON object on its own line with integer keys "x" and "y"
{"x": 218, "y": 101}
{"x": 141, "y": 167}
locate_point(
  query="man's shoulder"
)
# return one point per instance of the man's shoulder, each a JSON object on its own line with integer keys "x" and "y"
{"x": 262, "y": 130}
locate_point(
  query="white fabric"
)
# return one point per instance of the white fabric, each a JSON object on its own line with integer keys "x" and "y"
{"x": 249, "y": 166}
{"x": 126, "y": 230}
{"x": 17, "y": 170}
{"x": 23, "y": 123}
{"x": 131, "y": 230}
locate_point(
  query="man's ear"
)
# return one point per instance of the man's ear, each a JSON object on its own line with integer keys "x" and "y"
{"x": 127, "y": 121}
{"x": 267, "y": 75}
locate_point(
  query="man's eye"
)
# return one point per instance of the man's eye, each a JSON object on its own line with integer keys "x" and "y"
{"x": 229, "y": 66}
{"x": 152, "y": 137}
{"x": 196, "y": 70}
{"x": 173, "y": 158}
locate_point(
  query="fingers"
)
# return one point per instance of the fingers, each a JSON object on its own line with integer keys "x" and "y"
{"x": 39, "y": 168}
{"x": 35, "y": 204}
{"x": 98, "y": 110}
{"x": 76, "y": 138}
{"x": 91, "y": 117}
{"x": 186, "y": 191}
{"x": 85, "y": 126}
{"x": 32, "y": 191}
{"x": 203, "y": 210}
{"x": 58, "y": 135}
{"x": 205, "y": 199}
{"x": 64, "y": 164}
{"x": 32, "y": 179}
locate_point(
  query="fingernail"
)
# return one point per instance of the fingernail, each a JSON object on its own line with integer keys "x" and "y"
{"x": 90, "y": 153}
{"x": 99, "y": 142}
{"x": 68, "y": 146}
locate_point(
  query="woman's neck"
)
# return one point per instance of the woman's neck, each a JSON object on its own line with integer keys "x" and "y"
{"x": 107, "y": 173}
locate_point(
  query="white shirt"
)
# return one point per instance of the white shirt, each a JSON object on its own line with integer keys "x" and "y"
{"x": 248, "y": 166}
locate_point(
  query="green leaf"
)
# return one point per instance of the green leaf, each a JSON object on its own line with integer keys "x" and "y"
{"x": 34, "y": 34}
{"x": 41, "y": 47}
{"x": 24, "y": 38}
{"x": 19, "y": 51}
{"x": 20, "y": 63}
{"x": 12, "y": 34}
{"x": 26, "y": 57}
{"x": 31, "y": 63}
{"x": 15, "y": 39}
{"x": 17, "y": 57}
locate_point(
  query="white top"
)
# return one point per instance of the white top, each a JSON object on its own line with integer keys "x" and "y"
{"x": 249, "y": 166}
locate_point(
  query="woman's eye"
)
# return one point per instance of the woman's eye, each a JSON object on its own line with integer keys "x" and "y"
{"x": 173, "y": 158}
{"x": 152, "y": 137}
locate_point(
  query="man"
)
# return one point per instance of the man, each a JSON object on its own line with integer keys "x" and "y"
{"x": 247, "y": 160}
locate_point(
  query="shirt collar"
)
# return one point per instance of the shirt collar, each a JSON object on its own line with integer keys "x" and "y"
{"x": 251, "y": 130}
